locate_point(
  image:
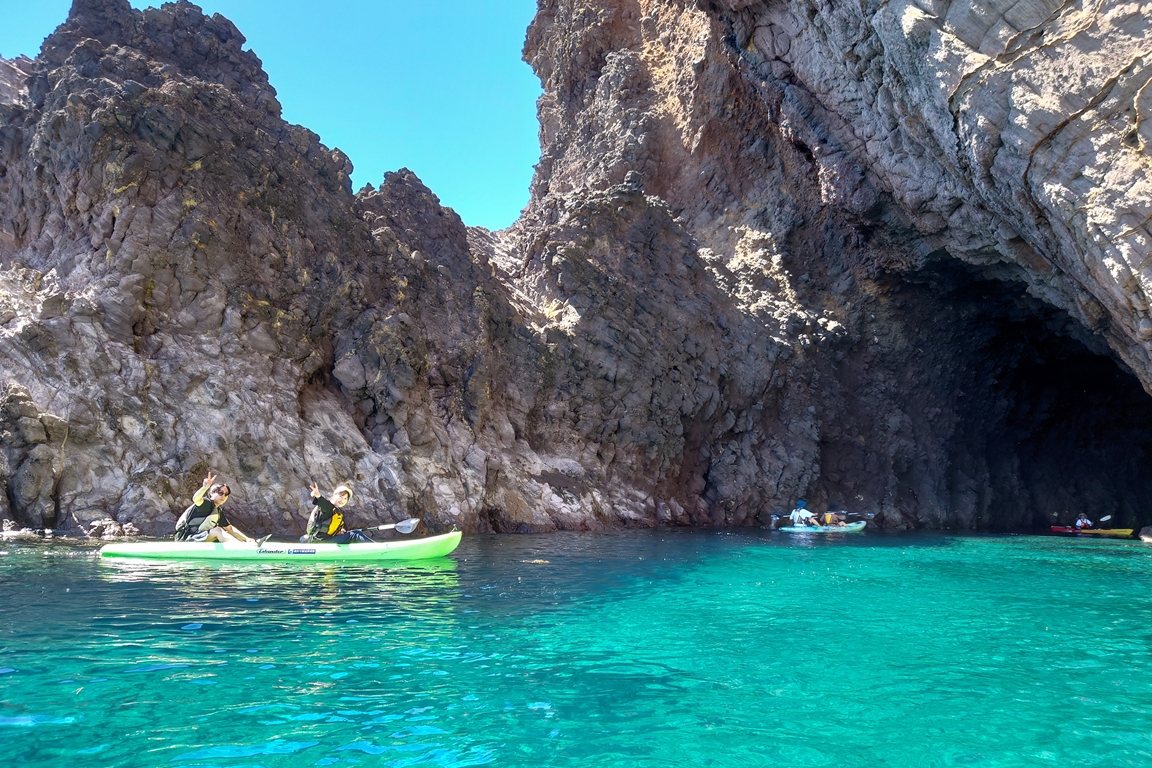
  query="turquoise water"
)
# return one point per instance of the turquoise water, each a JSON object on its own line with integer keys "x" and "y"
{"x": 631, "y": 649}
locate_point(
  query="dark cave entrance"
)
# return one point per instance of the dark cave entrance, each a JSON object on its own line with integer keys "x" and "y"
{"x": 1046, "y": 422}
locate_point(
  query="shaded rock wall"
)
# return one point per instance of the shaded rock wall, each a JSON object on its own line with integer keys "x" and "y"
{"x": 882, "y": 255}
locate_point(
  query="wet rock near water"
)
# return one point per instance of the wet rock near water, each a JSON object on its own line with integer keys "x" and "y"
{"x": 10, "y": 531}
{"x": 110, "y": 529}
{"x": 858, "y": 255}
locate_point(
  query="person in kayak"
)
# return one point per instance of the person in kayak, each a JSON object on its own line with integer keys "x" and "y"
{"x": 205, "y": 520}
{"x": 801, "y": 516}
{"x": 1083, "y": 522}
{"x": 834, "y": 518}
{"x": 326, "y": 522}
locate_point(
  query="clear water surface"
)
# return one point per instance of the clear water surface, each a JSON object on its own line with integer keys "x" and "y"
{"x": 632, "y": 649}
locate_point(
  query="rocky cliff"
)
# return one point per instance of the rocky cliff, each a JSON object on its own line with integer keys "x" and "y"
{"x": 890, "y": 256}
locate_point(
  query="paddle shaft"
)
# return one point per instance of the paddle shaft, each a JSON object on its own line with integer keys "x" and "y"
{"x": 404, "y": 526}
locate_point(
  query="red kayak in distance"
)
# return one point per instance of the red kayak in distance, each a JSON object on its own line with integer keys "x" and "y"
{"x": 1118, "y": 532}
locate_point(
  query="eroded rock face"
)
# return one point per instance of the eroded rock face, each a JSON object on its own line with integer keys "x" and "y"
{"x": 881, "y": 255}
{"x": 1009, "y": 134}
{"x": 13, "y": 76}
{"x": 175, "y": 285}
{"x": 926, "y": 197}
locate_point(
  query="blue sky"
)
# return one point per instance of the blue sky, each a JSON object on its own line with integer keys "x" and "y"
{"x": 434, "y": 85}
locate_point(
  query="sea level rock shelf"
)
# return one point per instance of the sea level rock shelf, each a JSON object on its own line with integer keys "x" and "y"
{"x": 888, "y": 256}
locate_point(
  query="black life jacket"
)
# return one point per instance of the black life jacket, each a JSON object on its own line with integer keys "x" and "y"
{"x": 325, "y": 520}
{"x": 194, "y": 518}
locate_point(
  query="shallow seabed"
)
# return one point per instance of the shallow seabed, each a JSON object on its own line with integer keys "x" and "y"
{"x": 665, "y": 648}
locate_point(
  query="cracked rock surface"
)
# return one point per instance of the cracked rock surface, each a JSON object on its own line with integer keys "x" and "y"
{"x": 888, "y": 256}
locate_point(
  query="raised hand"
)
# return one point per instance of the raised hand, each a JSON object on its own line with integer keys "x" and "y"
{"x": 315, "y": 489}
{"x": 209, "y": 480}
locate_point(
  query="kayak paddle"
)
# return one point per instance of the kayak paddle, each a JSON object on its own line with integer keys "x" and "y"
{"x": 404, "y": 526}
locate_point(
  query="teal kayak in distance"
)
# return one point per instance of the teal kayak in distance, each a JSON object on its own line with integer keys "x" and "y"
{"x": 360, "y": 552}
{"x": 849, "y": 528}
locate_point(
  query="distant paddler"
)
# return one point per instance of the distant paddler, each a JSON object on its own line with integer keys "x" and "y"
{"x": 205, "y": 520}
{"x": 801, "y": 515}
{"x": 832, "y": 518}
{"x": 1083, "y": 522}
{"x": 326, "y": 522}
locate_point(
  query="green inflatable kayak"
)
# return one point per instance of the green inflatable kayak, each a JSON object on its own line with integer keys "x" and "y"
{"x": 412, "y": 549}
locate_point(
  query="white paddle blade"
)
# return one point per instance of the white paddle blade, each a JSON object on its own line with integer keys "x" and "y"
{"x": 1106, "y": 518}
{"x": 407, "y": 526}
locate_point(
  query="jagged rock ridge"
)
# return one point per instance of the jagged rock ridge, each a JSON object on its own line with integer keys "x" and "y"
{"x": 882, "y": 255}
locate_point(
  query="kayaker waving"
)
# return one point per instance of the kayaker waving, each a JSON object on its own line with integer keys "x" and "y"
{"x": 205, "y": 520}
{"x": 326, "y": 522}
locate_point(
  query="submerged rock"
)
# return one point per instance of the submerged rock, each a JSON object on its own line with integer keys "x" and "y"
{"x": 887, "y": 258}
